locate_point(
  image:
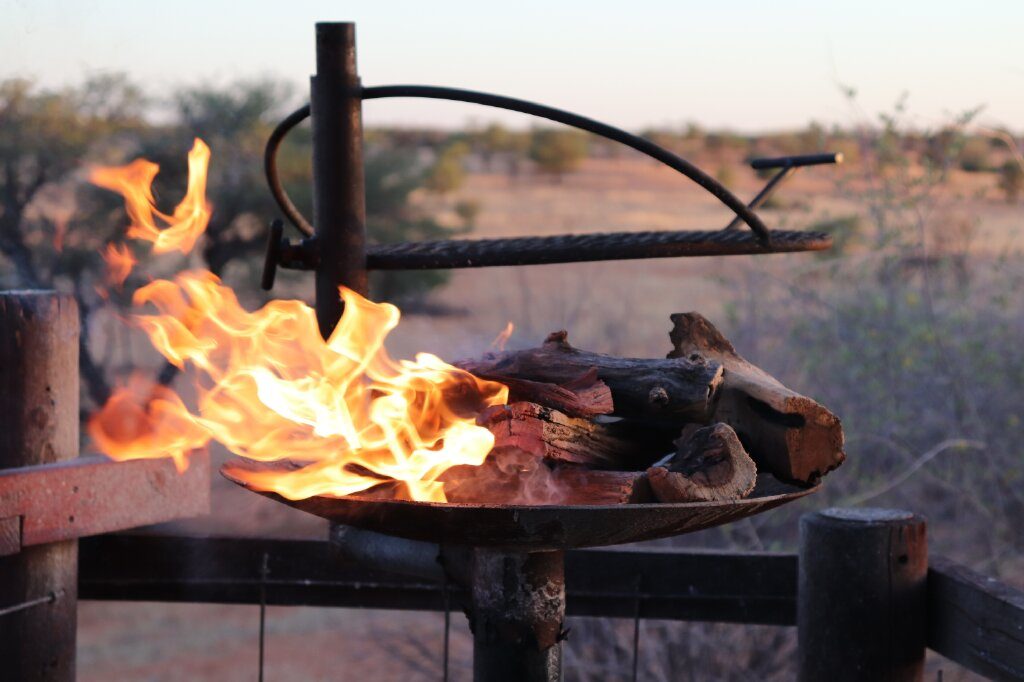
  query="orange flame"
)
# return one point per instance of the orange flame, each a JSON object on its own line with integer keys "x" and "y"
{"x": 344, "y": 413}
{"x": 120, "y": 262}
{"x": 502, "y": 338}
{"x": 134, "y": 182}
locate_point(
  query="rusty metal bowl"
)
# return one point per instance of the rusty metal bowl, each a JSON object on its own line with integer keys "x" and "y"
{"x": 534, "y": 527}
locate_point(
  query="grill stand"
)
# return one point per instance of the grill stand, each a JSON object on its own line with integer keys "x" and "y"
{"x": 517, "y": 615}
{"x": 517, "y": 597}
{"x": 516, "y": 603}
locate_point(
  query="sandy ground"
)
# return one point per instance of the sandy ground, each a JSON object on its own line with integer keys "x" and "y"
{"x": 611, "y": 307}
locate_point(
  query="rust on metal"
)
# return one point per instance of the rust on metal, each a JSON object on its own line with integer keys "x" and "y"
{"x": 10, "y": 535}
{"x": 92, "y": 495}
{"x": 517, "y": 614}
{"x": 534, "y": 527}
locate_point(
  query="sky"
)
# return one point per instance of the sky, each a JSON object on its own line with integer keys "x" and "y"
{"x": 744, "y": 65}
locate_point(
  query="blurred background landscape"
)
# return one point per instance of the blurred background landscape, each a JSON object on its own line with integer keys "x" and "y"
{"x": 910, "y": 328}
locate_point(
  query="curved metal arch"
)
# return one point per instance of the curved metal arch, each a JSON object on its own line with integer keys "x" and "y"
{"x": 636, "y": 142}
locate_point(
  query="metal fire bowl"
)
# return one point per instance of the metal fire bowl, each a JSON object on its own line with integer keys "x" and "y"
{"x": 534, "y": 527}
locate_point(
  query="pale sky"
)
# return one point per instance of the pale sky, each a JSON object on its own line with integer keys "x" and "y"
{"x": 745, "y": 65}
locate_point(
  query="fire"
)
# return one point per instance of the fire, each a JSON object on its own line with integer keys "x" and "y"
{"x": 342, "y": 413}
{"x": 120, "y": 262}
{"x": 502, "y": 338}
{"x": 134, "y": 182}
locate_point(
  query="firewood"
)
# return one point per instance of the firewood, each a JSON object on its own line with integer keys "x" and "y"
{"x": 680, "y": 389}
{"x": 555, "y": 436}
{"x": 787, "y": 434}
{"x": 710, "y": 465}
{"x": 517, "y": 477}
{"x": 584, "y": 396}
{"x": 586, "y": 486}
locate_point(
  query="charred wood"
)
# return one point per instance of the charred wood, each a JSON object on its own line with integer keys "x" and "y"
{"x": 710, "y": 465}
{"x": 787, "y": 434}
{"x": 680, "y": 389}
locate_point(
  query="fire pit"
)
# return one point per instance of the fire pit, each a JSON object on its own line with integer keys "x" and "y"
{"x": 510, "y": 554}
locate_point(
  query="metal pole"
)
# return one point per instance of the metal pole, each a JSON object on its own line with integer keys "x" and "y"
{"x": 861, "y": 595}
{"x": 39, "y": 403}
{"x": 517, "y": 615}
{"x": 339, "y": 202}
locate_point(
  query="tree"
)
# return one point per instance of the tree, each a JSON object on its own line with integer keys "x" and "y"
{"x": 493, "y": 141}
{"x": 391, "y": 176}
{"x": 235, "y": 122}
{"x": 447, "y": 174}
{"x": 44, "y": 137}
{"x": 1011, "y": 180}
{"x": 558, "y": 151}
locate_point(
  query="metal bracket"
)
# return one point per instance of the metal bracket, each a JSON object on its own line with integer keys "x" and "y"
{"x": 467, "y": 253}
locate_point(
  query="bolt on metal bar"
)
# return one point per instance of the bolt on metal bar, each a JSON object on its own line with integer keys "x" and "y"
{"x": 48, "y": 599}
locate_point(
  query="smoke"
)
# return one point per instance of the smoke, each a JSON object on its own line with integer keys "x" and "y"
{"x": 509, "y": 476}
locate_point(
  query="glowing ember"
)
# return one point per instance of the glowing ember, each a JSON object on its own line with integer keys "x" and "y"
{"x": 345, "y": 414}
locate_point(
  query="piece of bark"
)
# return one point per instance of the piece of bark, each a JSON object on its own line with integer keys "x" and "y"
{"x": 680, "y": 389}
{"x": 555, "y": 436}
{"x": 710, "y": 465}
{"x": 584, "y": 396}
{"x": 516, "y": 477}
{"x": 787, "y": 434}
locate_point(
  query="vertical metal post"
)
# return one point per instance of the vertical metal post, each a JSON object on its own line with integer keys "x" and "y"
{"x": 861, "y": 595}
{"x": 339, "y": 201}
{"x": 39, "y": 407}
{"x": 517, "y": 614}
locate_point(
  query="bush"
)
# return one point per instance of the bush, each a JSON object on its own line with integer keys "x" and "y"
{"x": 974, "y": 156}
{"x": 447, "y": 174}
{"x": 558, "y": 151}
{"x": 391, "y": 176}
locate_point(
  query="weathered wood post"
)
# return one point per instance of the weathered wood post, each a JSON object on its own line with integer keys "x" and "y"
{"x": 861, "y": 595}
{"x": 38, "y": 425}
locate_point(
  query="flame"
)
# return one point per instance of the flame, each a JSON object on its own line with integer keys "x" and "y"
{"x": 502, "y": 338}
{"x": 342, "y": 412}
{"x": 120, "y": 262}
{"x": 134, "y": 182}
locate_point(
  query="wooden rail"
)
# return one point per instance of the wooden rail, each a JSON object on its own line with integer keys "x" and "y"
{"x": 975, "y": 621}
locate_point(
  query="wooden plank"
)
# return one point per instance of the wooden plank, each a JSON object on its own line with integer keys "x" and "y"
{"x": 673, "y": 585}
{"x": 976, "y": 621}
{"x": 93, "y": 495}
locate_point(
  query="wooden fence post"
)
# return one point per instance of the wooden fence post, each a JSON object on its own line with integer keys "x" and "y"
{"x": 38, "y": 425}
{"x": 861, "y": 595}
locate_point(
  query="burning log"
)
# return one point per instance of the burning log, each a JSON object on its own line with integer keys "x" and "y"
{"x": 710, "y": 464}
{"x": 512, "y": 476}
{"x": 787, "y": 434}
{"x": 554, "y": 436}
{"x": 679, "y": 388}
{"x": 584, "y": 396}
{"x": 584, "y": 486}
